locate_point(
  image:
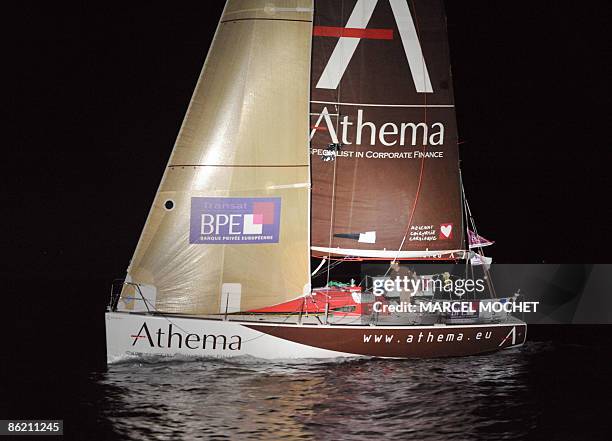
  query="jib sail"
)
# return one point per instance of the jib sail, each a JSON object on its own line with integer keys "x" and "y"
{"x": 229, "y": 227}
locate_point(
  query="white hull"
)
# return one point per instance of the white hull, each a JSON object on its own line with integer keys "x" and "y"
{"x": 129, "y": 335}
{"x": 121, "y": 327}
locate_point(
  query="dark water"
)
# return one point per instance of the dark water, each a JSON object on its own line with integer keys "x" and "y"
{"x": 548, "y": 391}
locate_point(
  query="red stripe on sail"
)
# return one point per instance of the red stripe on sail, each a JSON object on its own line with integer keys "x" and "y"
{"x": 372, "y": 34}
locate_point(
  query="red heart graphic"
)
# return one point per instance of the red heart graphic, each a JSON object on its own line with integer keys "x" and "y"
{"x": 446, "y": 231}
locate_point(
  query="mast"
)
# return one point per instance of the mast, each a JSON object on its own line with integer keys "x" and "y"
{"x": 229, "y": 226}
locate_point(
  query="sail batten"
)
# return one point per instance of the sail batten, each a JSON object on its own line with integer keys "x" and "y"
{"x": 424, "y": 106}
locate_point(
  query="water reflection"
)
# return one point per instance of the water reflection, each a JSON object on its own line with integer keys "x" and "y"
{"x": 461, "y": 398}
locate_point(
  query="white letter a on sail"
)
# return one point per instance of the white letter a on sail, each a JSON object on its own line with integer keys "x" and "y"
{"x": 346, "y": 46}
{"x": 330, "y": 126}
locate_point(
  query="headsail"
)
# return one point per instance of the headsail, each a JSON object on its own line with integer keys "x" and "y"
{"x": 383, "y": 132}
{"x": 239, "y": 173}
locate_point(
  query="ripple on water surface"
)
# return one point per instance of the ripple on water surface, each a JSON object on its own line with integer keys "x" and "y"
{"x": 480, "y": 397}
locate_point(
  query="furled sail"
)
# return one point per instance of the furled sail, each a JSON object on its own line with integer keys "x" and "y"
{"x": 384, "y": 153}
{"x": 229, "y": 226}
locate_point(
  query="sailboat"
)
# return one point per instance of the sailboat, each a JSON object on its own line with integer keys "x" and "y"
{"x": 320, "y": 130}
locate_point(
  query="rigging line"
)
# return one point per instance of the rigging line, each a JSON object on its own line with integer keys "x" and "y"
{"x": 331, "y": 217}
{"x": 186, "y": 332}
{"x": 422, "y": 168}
{"x": 157, "y": 310}
{"x": 487, "y": 273}
{"x": 416, "y": 198}
{"x": 333, "y": 204}
{"x": 464, "y": 219}
{"x": 469, "y": 268}
{"x": 183, "y": 330}
{"x": 333, "y": 265}
{"x": 333, "y": 199}
{"x": 464, "y": 222}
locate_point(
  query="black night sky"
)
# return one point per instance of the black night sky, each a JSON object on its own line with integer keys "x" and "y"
{"x": 100, "y": 93}
{"x": 104, "y": 91}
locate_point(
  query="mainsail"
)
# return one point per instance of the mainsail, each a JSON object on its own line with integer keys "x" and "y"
{"x": 385, "y": 167}
{"x": 229, "y": 226}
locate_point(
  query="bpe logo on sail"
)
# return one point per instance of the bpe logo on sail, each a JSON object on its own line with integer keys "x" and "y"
{"x": 234, "y": 220}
